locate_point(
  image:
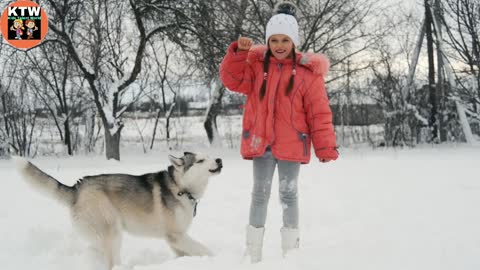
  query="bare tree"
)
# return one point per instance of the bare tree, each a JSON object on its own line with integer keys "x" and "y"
{"x": 52, "y": 80}
{"x": 393, "y": 89}
{"x": 343, "y": 30}
{"x": 462, "y": 25}
{"x": 18, "y": 109}
{"x": 97, "y": 35}
{"x": 20, "y": 120}
{"x": 206, "y": 30}
{"x": 163, "y": 75}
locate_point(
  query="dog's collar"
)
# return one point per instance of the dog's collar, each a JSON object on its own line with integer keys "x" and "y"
{"x": 191, "y": 198}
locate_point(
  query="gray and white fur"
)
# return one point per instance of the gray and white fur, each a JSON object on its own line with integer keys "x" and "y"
{"x": 159, "y": 204}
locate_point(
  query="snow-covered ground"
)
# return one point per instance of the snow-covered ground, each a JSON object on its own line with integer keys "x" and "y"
{"x": 371, "y": 209}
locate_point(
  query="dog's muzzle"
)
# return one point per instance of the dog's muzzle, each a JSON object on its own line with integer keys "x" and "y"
{"x": 219, "y": 166}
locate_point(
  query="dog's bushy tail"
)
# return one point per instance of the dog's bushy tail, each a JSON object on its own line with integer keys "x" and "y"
{"x": 44, "y": 182}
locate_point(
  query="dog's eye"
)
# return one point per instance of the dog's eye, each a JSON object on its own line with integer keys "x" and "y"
{"x": 201, "y": 161}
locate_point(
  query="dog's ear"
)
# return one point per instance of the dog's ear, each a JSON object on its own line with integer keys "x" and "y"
{"x": 177, "y": 162}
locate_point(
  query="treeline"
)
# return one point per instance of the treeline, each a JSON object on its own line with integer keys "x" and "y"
{"x": 102, "y": 59}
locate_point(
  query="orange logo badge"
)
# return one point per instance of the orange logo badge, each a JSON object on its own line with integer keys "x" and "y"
{"x": 24, "y": 24}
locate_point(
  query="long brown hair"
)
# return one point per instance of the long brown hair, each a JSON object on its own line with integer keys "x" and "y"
{"x": 266, "y": 64}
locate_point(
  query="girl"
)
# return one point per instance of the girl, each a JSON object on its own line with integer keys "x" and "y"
{"x": 286, "y": 110}
{"x": 18, "y": 27}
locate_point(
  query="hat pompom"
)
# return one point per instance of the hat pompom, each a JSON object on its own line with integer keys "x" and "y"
{"x": 285, "y": 8}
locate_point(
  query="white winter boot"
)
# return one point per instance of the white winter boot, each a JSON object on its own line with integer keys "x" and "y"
{"x": 290, "y": 239}
{"x": 254, "y": 243}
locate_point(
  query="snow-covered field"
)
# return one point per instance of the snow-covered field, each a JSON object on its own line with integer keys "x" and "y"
{"x": 371, "y": 209}
{"x": 138, "y": 132}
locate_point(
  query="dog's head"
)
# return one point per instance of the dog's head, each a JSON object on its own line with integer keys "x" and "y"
{"x": 196, "y": 166}
{"x": 192, "y": 171}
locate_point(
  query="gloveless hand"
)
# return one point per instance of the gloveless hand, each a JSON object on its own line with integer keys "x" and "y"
{"x": 244, "y": 43}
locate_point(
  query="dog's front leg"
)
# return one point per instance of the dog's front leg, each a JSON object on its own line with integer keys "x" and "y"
{"x": 184, "y": 245}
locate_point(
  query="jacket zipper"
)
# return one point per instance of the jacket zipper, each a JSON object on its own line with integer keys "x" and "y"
{"x": 280, "y": 65}
{"x": 303, "y": 138}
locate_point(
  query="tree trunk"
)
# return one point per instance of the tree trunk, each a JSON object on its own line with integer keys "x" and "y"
{"x": 167, "y": 127}
{"x": 157, "y": 118}
{"x": 4, "y": 104}
{"x": 89, "y": 130}
{"x": 440, "y": 94}
{"x": 112, "y": 145}
{"x": 68, "y": 140}
{"x": 431, "y": 72}
{"x": 213, "y": 110}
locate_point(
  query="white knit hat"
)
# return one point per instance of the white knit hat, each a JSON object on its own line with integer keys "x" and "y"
{"x": 285, "y": 24}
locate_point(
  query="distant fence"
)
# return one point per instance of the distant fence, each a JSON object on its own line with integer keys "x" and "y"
{"x": 352, "y": 115}
{"x": 357, "y": 115}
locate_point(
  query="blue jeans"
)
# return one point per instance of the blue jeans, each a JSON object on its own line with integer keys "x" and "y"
{"x": 263, "y": 169}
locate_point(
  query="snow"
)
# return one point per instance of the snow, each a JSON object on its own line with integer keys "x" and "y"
{"x": 19, "y": 162}
{"x": 371, "y": 209}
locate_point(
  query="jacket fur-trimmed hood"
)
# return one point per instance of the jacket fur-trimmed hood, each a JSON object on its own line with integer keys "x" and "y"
{"x": 290, "y": 123}
{"x": 315, "y": 62}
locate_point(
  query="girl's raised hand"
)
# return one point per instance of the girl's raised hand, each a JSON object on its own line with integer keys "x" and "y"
{"x": 244, "y": 43}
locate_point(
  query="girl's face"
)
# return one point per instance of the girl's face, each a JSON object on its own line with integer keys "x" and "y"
{"x": 281, "y": 46}
{"x": 17, "y": 24}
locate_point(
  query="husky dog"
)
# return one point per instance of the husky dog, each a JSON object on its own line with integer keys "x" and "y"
{"x": 160, "y": 204}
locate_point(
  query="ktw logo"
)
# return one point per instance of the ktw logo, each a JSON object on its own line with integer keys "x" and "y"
{"x": 24, "y": 24}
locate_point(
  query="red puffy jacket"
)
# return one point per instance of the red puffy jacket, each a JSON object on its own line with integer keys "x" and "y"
{"x": 288, "y": 124}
